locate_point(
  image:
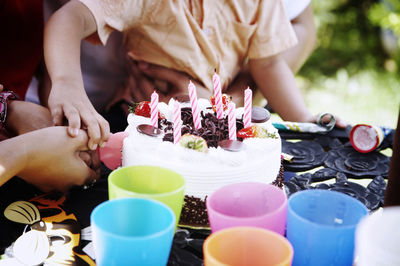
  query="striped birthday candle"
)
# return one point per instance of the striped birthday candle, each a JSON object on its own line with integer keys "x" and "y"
{"x": 232, "y": 121}
{"x": 193, "y": 103}
{"x": 177, "y": 122}
{"x": 248, "y": 98}
{"x": 154, "y": 109}
{"x": 218, "y": 95}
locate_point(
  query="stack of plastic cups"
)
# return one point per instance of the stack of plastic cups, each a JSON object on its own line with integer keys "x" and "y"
{"x": 248, "y": 223}
{"x": 378, "y": 238}
{"x": 248, "y": 204}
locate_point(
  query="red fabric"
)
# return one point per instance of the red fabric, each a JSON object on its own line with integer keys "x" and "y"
{"x": 21, "y": 42}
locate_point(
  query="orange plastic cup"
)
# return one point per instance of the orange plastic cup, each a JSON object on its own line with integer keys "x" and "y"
{"x": 247, "y": 246}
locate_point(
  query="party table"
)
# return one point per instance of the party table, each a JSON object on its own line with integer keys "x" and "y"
{"x": 324, "y": 161}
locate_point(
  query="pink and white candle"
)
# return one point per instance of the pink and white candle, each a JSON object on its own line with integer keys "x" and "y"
{"x": 248, "y": 99}
{"x": 193, "y": 103}
{"x": 218, "y": 96}
{"x": 177, "y": 122}
{"x": 154, "y": 110}
{"x": 232, "y": 121}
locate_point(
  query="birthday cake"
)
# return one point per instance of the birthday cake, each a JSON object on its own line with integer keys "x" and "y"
{"x": 204, "y": 156}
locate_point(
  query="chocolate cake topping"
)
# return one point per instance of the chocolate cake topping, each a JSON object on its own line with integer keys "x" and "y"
{"x": 279, "y": 181}
{"x": 148, "y": 130}
{"x": 187, "y": 117}
{"x": 231, "y": 145}
{"x": 194, "y": 212}
{"x": 259, "y": 115}
{"x": 213, "y": 130}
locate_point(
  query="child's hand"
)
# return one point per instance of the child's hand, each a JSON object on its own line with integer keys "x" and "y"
{"x": 325, "y": 119}
{"x": 56, "y": 163}
{"x": 92, "y": 160}
{"x": 70, "y": 101}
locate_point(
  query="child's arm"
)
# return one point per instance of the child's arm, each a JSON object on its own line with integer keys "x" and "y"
{"x": 62, "y": 39}
{"x": 304, "y": 27}
{"x": 23, "y": 117}
{"x": 278, "y": 85}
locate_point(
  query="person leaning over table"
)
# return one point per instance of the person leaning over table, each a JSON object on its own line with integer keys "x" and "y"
{"x": 301, "y": 17}
{"x": 103, "y": 73}
{"x": 47, "y": 158}
{"x": 148, "y": 76}
{"x": 20, "y": 52}
{"x": 178, "y": 35}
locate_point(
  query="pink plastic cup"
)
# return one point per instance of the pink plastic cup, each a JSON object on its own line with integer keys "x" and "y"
{"x": 248, "y": 204}
{"x": 111, "y": 154}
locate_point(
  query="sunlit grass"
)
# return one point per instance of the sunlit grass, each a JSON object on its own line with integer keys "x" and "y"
{"x": 367, "y": 97}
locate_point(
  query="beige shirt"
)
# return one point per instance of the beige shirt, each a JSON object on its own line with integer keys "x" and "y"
{"x": 197, "y": 36}
{"x": 294, "y": 8}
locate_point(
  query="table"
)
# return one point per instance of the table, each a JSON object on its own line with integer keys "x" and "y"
{"x": 320, "y": 161}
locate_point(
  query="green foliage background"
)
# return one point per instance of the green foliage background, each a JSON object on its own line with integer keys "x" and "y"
{"x": 350, "y": 73}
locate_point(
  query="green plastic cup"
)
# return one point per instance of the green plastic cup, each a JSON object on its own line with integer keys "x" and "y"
{"x": 151, "y": 182}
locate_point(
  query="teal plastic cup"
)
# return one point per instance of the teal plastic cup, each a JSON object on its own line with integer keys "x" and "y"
{"x": 132, "y": 231}
{"x": 149, "y": 182}
{"x": 321, "y": 227}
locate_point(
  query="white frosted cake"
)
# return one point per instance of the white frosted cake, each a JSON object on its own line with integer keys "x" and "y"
{"x": 258, "y": 160}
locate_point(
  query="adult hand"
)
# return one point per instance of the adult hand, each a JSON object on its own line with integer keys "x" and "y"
{"x": 23, "y": 117}
{"x": 52, "y": 159}
{"x": 92, "y": 160}
{"x": 70, "y": 101}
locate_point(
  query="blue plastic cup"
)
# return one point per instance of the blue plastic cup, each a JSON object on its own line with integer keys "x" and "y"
{"x": 321, "y": 226}
{"x": 132, "y": 231}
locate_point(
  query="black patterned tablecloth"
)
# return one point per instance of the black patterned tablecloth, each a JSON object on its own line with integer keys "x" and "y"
{"x": 324, "y": 161}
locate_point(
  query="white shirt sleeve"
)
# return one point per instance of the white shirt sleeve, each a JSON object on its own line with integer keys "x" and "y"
{"x": 293, "y": 8}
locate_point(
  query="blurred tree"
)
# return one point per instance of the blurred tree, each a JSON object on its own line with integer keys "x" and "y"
{"x": 351, "y": 73}
{"x": 386, "y": 14}
{"x": 347, "y": 38}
